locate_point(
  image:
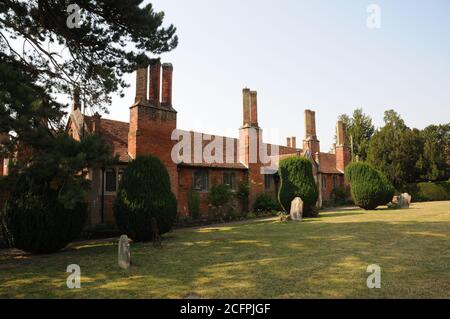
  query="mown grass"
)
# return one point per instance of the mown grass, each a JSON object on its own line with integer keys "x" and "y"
{"x": 326, "y": 257}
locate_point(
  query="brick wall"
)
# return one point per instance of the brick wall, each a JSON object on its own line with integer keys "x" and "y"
{"x": 186, "y": 182}
{"x": 343, "y": 157}
{"x": 327, "y": 189}
{"x": 150, "y": 134}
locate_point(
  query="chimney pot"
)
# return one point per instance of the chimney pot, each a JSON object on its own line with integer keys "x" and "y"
{"x": 141, "y": 84}
{"x": 294, "y": 142}
{"x": 155, "y": 83}
{"x": 288, "y": 142}
{"x": 246, "y": 106}
{"x": 341, "y": 134}
{"x": 254, "y": 108}
{"x": 310, "y": 125}
{"x": 167, "y": 74}
{"x": 97, "y": 120}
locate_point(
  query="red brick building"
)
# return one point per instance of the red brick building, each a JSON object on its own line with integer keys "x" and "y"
{"x": 152, "y": 129}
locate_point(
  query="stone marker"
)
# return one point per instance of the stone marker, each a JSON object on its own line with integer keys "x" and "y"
{"x": 404, "y": 200}
{"x": 408, "y": 198}
{"x": 124, "y": 255}
{"x": 297, "y": 209}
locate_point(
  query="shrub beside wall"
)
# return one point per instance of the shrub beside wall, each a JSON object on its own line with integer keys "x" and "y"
{"x": 428, "y": 191}
{"x": 297, "y": 180}
{"x": 222, "y": 207}
{"x": 145, "y": 195}
{"x": 265, "y": 203}
{"x": 369, "y": 187}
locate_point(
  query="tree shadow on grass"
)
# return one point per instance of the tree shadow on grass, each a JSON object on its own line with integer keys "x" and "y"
{"x": 257, "y": 260}
{"x": 339, "y": 214}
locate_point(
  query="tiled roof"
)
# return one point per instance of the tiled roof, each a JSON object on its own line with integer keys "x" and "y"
{"x": 115, "y": 134}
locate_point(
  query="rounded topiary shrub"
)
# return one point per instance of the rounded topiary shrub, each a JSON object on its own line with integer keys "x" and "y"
{"x": 369, "y": 187}
{"x": 297, "y": 180}
{"x": 265, "y": 203}
{"x": 145, "y": 196}
{"x": 40, "y": 219}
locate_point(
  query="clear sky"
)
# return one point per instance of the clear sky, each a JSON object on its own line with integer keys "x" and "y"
{"x": 316, "y": 54}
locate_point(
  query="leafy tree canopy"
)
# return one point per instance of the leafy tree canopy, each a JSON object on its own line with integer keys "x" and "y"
{"x": 433, "y": 163}
{"x": 359, "y": 131}
{"x": 46, "y": 53}
{"x": 395, "y": 149}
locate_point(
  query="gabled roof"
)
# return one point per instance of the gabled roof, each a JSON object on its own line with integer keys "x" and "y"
{"x": 115, "y": 133}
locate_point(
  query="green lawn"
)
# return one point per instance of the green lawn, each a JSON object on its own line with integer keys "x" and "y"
{"x": 324, "y": 257}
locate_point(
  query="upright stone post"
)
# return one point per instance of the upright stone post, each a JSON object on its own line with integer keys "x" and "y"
{"x": 124, "y": 255}
{"x": 297, "y": 209}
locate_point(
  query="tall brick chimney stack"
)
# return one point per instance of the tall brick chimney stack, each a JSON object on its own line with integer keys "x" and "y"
{"x": 250, "y": 108}
{"x": 167, "y": 72}
{"x": 250, "y": 142}
{"x": 246, "y": 106}
{"x": 154, "y": 87}
{"x": 141, "y": 84}
{"x": 342, "y": 150}
{"x": 288, "y": 142}
{"x": 253, "y": 108}
{"x": 310, "y": 125}
{"x": 293, "y": 142}
{"x": 311, "y": 142}
{"x": 153, "y": 122}
{"x": 97, "y": 120}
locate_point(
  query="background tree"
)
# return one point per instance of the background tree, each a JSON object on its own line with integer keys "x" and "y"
{"x": 395, "y": 150}
{"x": 359, "y": 131}
{"x": 44, "y": 55}
{"x": 44, "y": 52}
{"x": 434, "y": 161}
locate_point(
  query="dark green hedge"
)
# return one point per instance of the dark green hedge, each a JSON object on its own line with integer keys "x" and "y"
{"x": 39, "y": 221}
{"x": 265, "y": 203}
{"x": 297, "y": 180}
{"x": 428, "y": 191}
{"x": 144, "y": 193}
{"x": 340, "y": 196}
{"x": 369, "y": 187}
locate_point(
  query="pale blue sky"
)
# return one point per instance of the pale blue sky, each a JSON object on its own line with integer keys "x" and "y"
{"x": 313, "y": 54}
